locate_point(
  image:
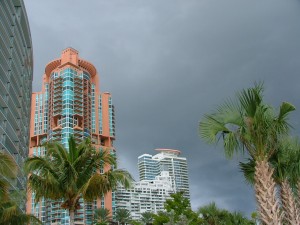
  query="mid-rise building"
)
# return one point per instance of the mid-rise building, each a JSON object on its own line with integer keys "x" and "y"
{"x": 145, "y": 195}
{"x": 160, "y": 175}
{"x": 70, "y": 103}
{"x": 166, "y": 160}
{"x": 16, "y": 71}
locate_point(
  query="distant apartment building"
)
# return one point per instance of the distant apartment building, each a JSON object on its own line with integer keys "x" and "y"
{"x": 145, "y": 195}
{"x": 70, "y": 103}
{"x": 160, "y": 175}
{"x": 166, "y": 160}
{"x": 16, "y": 71}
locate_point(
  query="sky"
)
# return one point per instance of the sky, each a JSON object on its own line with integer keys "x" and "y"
{"x": 167, "y": 63}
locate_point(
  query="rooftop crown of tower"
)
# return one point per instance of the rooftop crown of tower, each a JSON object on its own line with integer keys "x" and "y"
{"x": 69, "y": 55}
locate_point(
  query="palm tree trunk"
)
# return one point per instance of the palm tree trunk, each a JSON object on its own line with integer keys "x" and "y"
{"x": 265, "y": 191}
{"x": 298, "y": 197}
{"x": 290, "y": 209}
{"x": 72, "y": 216}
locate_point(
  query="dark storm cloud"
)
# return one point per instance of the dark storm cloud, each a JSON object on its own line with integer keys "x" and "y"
{"x": 167, "y": 63}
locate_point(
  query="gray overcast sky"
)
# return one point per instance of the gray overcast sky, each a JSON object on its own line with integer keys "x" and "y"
{"x": 167, "y": 62}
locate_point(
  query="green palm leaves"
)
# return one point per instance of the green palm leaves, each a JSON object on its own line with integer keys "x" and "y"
{"x": 212, "y": 215}
{"x": 8, "y": 170}
{"x": 102, "y": 216}
{"x": 123, "y": 216}
{"x": 249, "y": 124}
{"x": 10, "y": 213}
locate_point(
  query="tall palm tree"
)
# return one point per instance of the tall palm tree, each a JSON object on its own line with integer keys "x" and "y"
{"x": 286, "y": 163}
{"x": 123, "y": 216}
{"x": 68, "y": 175}
{"x": 251, "y": 125}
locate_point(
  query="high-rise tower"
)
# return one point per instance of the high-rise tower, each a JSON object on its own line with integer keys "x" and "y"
{"x": 166, "y": 160}
{"x": 70, "y": 103}
{"x": 16, "y": 65}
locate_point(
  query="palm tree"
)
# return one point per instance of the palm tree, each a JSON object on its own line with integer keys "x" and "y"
{"x": 123, "y": 216}
{"x": 253, "y": 126}
{"x": 68, "y": 175}
{"x": 286, "y": 162}
{"x": 147, "y": 218}
{"x": 102, "y": 216}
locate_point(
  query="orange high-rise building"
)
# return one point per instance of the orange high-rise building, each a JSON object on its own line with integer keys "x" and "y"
{"x": 70, "y": 103}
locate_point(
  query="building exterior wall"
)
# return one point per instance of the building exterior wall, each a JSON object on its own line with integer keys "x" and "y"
{"x": 16, "y": 71}
{"x": 145, "y": 195}
{"x": 70, "y": 103}
{"x": 166, "y": 160}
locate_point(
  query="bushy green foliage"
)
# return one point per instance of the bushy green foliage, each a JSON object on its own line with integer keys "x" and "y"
{"x": 161, "y": 218}
{"x": 212, "y": 215}
{"x": 181, "y": 207}
{"x": 135, "y": 222}
{"x": 179, "y": 212}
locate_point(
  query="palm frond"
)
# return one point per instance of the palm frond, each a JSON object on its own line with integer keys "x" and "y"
{"x": 68, "y": 175}
{"x": 120, "y": 177}
{"x": 8, "y": 166}
{"x": 231, "y": 144}
{"x": 210, "y": 127}
{"x": 248, "y": 169}
{"x": 45, "y": 186}
{"x": 250, "y": 99}
{"x": 8, "y": 211}
{"x": 230, "y": 113}
{"x": 102, "y": 215}
{"x": 56, "y": 151}
{"x": 285, "y": 109}
{"x": 89, "y": 163}
{"x": 100, "y": 184}
{"x": 281, "y": 122}
{"x": 96, "y": 186}
{"x": 73, "y": 151}
{"x": 4, "y": 189}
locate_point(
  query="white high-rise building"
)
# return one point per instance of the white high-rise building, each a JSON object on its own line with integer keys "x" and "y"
{"x": 145, "y": 195}
{"x": 166, "y": 160}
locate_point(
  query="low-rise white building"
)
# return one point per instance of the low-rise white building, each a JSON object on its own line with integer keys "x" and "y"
{"x": 145, "y": 195}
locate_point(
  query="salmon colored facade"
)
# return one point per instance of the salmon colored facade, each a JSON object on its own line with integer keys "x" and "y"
{"x": 70, "y": 103}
